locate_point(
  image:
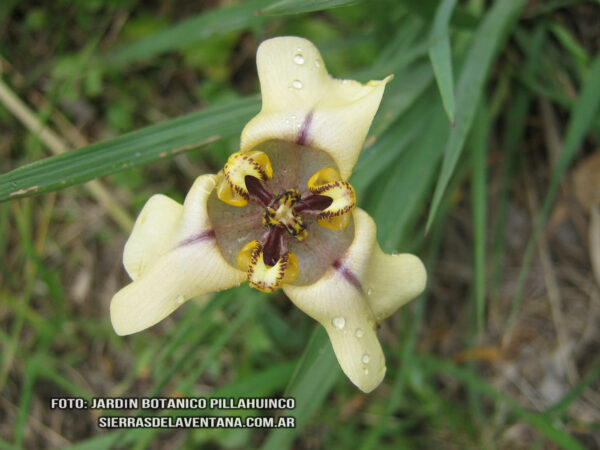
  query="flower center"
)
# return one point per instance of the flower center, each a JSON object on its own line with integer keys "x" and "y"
{"x": 280, "y": 213}
{"x": 287, "y": 218}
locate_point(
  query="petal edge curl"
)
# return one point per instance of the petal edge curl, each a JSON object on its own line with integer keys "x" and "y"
{"x": 151, "y": 235}
{"x": 354, "y": 294}
{"x": 302, "y": 103}
{"x": 190, "y": 265}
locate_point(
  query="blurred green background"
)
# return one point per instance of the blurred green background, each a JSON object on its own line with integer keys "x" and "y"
{"x": 483, "y": 159}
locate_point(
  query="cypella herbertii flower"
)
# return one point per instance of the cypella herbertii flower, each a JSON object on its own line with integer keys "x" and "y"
{"x": 281, "y": 214}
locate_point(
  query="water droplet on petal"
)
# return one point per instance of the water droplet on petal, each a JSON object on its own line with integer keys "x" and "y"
{"x": 339, "y": 322}
{"x": 366, "y": 371}
{"x": 298, "y": 59}
{"x": 179, "y": 299}
{"x": 297, "y": 84}
{"x": 359, "y": 333}
{"x": 369, "y": 291}
{"x": 366, "y": 358}
{"x": 317, "y": 63}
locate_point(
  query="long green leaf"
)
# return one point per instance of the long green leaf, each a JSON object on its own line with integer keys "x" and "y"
{"x": 563, "y": 404}
{"x": 212, "y": 23}
{"x": 410, "y": 183}
{"x": 439, "y": 54}
{"x": 304, "y": 6}
{"x": 129, "y": 150}
{"x": 515, "y": 130}
{"x": 314, "y": 377}
{"x": 536, "y": 420}
{"x": 582, "y": 116}
{"x": 408, "y": 362}
{"x": 486, "y": 42}
{"x": 478, "y": 152}
{"x": 461, "y": 17}
{"x": 378, "y": 157}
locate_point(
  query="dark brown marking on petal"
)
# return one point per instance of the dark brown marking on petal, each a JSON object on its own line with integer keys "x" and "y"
{"x": 273, "y": 246}
{"x": 312, "y": 204}
{"x": 258, "y": 191}
{"x": 199, "y": 237}
{"x": 302, "y": 137}
{"x": 348, "y": 275}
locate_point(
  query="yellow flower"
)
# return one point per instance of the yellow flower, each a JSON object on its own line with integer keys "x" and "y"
{"x": 280, "y": 214}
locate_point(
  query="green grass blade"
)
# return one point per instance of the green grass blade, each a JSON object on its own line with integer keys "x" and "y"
{"x": 563, "y": 36}
{"x": 439, "y": 54}
{"x": 486, "y": 42}
{"x": 129, "y": 150}
{"x": 314, "y": 377}
{"x": 296, "y": 7}
{"x": 478, "y": 154}
{"x": 408, "y": 362}
{"x": 377, "y": 158}
{"x": 212, "y": 23}
{"x": 563, "y": 404}
{"x": 515, "y": 120}
{"x": 536, "y": 420}
{"x": 461, "y": 17}
{"x": 26, "y": 395}
{"x": 582, "y": 116}
{"x": 409, "y": 186}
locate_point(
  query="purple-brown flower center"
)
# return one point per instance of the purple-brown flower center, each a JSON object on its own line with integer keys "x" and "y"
{"x": 281, "y": 214}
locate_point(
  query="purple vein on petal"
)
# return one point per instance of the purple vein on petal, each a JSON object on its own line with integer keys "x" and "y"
{"x": 348, "y": 275}
{"x": 199, "y": 237}
{"x": 302, "y": 137}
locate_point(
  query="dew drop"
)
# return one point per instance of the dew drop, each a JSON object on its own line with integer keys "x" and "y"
{"x": 369, "y": 291}
{"x": 298, "y": 59}
{"x": 339, "y": 322}
{"x": 359, "y": 333}
{"x": 366, "y": 371}
{"x": 317, "y": 63}
{"x": 297, "y": 84}
{"x": 366, "y": 358}
{"x": 179, "y": 299}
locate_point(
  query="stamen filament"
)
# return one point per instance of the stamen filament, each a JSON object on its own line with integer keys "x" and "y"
{"x": 274, "y": 246}
{"x": 312, "y": 204}
{"x": 258, "y": 192}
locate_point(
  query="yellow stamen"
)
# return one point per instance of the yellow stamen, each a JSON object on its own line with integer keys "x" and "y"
{"x": 262, "y": 276}
{"x": 323, "y": 177}
{"x": 245, "y": 255}
{"x": 228, "y": 195}
{"x": 328, "y": 182}
{"x": 335, "y": 222}
{"x": 238, "y": 166}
